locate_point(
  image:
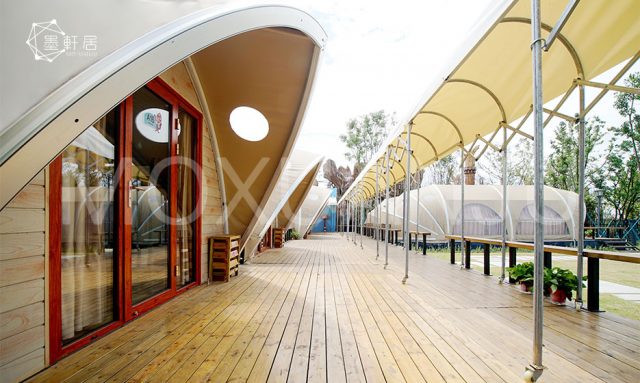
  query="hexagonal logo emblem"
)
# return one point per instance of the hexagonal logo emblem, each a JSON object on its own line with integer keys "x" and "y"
{"x": 46, "y": 40}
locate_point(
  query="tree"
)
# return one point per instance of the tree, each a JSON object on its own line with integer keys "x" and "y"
{"x": 620, "y": 182}
{"x": 519, "y": 165}
{"x": 626, "y": 104}
{"x": 562, "y": 164}
{"x": 446, "y": 171}
{"x": 365, "y": 135}
{"x": 620, "y": 178}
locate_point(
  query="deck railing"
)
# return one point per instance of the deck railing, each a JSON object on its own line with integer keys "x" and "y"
{"x": 593, "y": 260}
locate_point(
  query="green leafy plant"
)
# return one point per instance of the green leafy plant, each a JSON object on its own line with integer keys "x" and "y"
{"x": 295, "y": 234}
{"x": 556, "y": 278}
{"x": 522, "y": 273}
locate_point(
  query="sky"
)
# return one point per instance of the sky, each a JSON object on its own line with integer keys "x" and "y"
{"x": 379, "y": 55}
{"x": 383, "y": 55}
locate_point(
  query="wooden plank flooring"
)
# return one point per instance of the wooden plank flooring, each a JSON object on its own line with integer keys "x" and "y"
{"x": 325, "y": 310}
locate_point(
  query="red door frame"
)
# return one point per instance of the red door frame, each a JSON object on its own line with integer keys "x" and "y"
{"x": 125, "y": 310}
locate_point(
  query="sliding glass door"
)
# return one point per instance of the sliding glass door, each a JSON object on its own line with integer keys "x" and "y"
{"x": 88, "y": 251}
{"x": 150, "y": 196}
{"x": 124, "y": 211}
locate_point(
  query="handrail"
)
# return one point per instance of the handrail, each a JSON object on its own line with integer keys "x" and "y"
{"x": 590, "y": 253}
{"x": 593, "y": 260}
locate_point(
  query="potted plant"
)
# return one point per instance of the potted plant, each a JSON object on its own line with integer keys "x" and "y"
{"x": 523, "y": 275}
{"x": 561, "y": 283}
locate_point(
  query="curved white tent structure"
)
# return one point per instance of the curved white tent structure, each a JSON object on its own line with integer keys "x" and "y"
{"x": 46, "y": 108}
{"x": 439, "y": 212}
{"x": 120, "y": 160}
{"x": 298, "y": 175}
{"x": 311, "y": 208}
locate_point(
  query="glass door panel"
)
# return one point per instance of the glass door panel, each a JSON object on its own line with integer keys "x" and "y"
{"x": 149, "y": 196}
{"x": 186, "y": 213}
{"x": 88, "y": 232}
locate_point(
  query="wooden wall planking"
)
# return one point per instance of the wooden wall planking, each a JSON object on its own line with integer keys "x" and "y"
{"x": 22, "y": 282}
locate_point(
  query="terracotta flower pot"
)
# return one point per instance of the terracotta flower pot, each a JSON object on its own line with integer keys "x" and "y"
{"x": 559, "y": 297}
{"x": 525, "y": 288}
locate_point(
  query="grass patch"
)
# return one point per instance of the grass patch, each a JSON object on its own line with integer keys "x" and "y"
{"x": 615, "y": 305}
{"x": 623, "y": 273}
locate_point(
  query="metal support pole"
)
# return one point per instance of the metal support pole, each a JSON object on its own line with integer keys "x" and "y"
{"x": 356, "y": 216}
{"x": 361, "y": 221}
{"x": 462, "y": 181}
{"x": 347, "y": 222}
{"x": 504, "y": 206}
{"x": 353, "y": 220}
{"x": 395, "y": 198}
{"x": 581, "y": 166}
{"x": 534, "y": 370}
{"x": 377, "y": 225}
{"x": 337, "y": 218}
{"x": 418, "y": 209}
{"x": 407, "y": 198}
{"x": 386, "y": 223}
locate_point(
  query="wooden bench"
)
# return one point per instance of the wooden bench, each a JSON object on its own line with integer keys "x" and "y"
{"x": 593, "y": 260}
{"x": 393, "y": 236}
{"x": 424, "y": 240}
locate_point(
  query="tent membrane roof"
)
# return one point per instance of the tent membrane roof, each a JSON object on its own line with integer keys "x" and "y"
{"x": 311, "y": 208}
{"x": 242, "y": 53}
{"x": 300, "y": 171}
{"x": 490, "y": 84}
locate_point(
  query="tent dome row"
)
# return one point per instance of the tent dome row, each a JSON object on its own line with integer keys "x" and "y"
{"x": 440, "y": 212}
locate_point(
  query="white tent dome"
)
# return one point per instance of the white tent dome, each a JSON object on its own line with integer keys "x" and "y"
{"x": 440, "y": 212}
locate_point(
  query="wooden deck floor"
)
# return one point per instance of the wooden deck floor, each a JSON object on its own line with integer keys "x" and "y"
{"x": 325, "y": 310}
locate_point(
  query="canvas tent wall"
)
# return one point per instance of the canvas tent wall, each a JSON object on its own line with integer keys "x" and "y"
{"x": 312, "y": 206}
{"x": 440, "y": 212}
{"x": 301, "y": 169}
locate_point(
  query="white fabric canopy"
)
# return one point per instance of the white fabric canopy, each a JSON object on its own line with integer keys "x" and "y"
{"x": 489, "y": 82}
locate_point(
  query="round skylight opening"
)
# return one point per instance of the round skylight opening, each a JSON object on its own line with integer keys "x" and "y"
{"x": 249, "y": 123}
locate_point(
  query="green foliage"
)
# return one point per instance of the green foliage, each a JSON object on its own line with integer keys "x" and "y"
{"x": 556, "y": 278}
{"x": 627, "y": 106}
{"x": 522, "y": 273}
{"x": 295, "y": 234}
{"x": 444, "y": 171}
{"x": 562, "y": 166}
{"x": 620, "y": 176}
{"x": 519, "y": 165}
{"x": 365, "y": 135}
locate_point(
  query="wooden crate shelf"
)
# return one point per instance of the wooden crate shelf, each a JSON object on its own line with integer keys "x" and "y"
{"x": 278, "y": 237}
{"x": 224, "y": 257}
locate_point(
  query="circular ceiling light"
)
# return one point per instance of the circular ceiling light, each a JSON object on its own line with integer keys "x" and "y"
{"x": 248, "y": 123}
